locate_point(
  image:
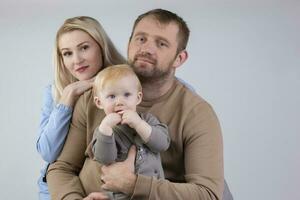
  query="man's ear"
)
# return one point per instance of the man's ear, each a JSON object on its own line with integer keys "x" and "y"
{"x": 139, "y": 97}
{"x": 180, "y": 58}
{"x": 128, "y": 47}
{"x": 98, "y": 102}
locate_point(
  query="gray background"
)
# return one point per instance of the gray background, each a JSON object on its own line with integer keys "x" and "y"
{"x": 243, "y": 59}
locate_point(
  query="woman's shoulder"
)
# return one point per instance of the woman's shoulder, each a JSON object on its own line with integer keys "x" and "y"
{"x": 48, "y": 87}
{"x": 48, "y": 92}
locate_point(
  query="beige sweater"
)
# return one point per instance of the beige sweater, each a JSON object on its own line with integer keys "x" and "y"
{"x": 193, "y": 164}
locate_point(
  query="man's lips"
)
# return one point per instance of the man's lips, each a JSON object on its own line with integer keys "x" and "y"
{"x": 144, "y": 59}
{"x": 81, "y": 69}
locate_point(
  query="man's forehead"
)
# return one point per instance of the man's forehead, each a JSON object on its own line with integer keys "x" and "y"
{"x": 154, "y": 21}
{"x": 150, "y": 24}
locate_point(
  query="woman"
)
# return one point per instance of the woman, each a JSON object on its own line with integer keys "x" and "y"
{"x": 82, "y": 49}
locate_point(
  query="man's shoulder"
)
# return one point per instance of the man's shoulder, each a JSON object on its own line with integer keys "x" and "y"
{"x": 86, "y": 96}
{"x": 85, "y": 101}
{"x": 187, "y": 95}
{"x": 191, "y": 102}
{"x": 193, "y": 107}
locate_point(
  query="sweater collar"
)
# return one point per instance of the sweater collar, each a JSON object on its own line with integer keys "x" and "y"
{"x": 146, "y": 103}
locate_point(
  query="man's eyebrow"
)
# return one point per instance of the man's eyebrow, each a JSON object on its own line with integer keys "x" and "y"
{"x": 162, "y": 38}
{"x": 155, "y": 36}
{"x": 140, "y": 33}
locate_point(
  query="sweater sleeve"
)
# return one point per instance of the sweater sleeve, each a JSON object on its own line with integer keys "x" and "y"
{"x": 53, "y": 128}
{"x": 203, "y": 161}
{"x": 63, "y": 175}
{"x": 104, "y": 148}
{"x": 159, "y": 139}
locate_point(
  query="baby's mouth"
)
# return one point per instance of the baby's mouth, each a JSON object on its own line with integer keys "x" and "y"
{"x": 119, "y": 111}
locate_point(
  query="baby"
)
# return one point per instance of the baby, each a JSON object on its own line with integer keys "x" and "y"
{"x": 118, "y": 91}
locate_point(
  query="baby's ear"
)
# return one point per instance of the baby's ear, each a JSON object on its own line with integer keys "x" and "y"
{"x": 98, "y": 102}
{"x": 139, "y": 97}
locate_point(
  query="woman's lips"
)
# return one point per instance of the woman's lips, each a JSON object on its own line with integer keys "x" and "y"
{"x": 81, "y": 69}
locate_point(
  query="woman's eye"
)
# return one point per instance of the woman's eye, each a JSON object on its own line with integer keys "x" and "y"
{"x": 85, "y": 47}
{"x": 66, "y": 53}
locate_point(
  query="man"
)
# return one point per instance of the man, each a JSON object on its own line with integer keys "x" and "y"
{"x": 193, "y": 164}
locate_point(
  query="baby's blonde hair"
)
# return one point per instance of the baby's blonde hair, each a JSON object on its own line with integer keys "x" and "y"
{"x": 111, "y": 75}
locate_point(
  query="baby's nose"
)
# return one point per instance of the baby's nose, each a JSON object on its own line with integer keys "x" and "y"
{"x": 119, "y": 101}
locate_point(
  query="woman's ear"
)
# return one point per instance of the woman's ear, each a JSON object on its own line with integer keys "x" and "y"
{"x": 98, "y": 102}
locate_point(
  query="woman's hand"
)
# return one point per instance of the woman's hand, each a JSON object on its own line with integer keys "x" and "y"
{"x": 73, "y": 91}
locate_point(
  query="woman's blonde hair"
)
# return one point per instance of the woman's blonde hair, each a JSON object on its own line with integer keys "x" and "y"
{"x": 91, "y": 26}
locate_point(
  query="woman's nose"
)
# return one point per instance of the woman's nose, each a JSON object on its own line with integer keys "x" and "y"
{"x": 77, "y": 58}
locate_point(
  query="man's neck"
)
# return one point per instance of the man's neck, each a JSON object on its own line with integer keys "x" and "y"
{"x": 156, "y": 89}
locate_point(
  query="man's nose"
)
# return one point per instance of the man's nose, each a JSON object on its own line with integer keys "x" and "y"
{"x": 148, "y": 47}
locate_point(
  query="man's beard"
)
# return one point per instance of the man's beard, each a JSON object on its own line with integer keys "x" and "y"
{"x": 151, "y": 74}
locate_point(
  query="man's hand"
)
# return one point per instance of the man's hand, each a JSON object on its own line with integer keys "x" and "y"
{"x": 96, "y": 196}
{"x": 120, "y": 177}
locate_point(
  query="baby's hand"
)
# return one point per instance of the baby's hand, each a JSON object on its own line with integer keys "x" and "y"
{"x": 131, "y": 118}
{"x": 108, "y": 122}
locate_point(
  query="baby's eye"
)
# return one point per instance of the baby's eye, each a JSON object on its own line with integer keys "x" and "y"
{"x": 112, "y": 96}
{"x": 127, "y": 94}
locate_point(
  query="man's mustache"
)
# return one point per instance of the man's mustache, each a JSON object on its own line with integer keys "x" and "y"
{"x": 147, "y": 57}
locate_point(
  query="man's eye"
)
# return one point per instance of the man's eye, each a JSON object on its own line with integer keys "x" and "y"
{"x": 141, "y": 39}
{"x": 162, "y": 44}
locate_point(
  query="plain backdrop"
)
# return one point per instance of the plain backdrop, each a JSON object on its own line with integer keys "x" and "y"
{"x": 243, "y": 59}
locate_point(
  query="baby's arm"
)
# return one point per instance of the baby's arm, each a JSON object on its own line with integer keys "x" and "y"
{"x": 133, "y": 120}
{"x": 154, "y": 134}
{"x": 103, "y": 143}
